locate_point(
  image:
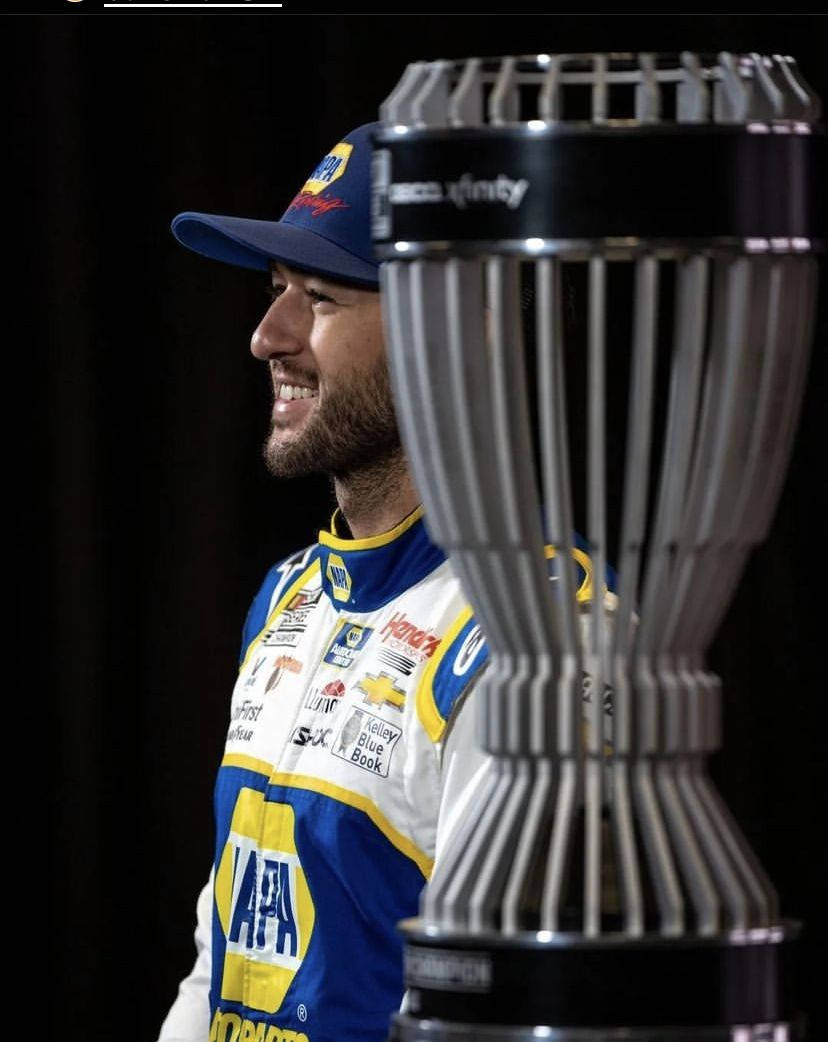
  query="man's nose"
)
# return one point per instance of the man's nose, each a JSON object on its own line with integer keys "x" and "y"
{"x": 278, "y": 333}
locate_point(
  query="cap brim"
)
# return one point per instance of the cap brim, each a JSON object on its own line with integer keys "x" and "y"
{"x": 254, "y": 244}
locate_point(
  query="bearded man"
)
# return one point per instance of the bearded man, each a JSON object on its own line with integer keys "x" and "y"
{"x": 347, "y": 750}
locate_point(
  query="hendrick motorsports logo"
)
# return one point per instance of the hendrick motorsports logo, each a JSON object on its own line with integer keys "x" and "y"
{"x": 467, "y": 190}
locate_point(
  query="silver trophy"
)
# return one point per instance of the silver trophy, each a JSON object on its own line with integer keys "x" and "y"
{"x": 599, "y": 287}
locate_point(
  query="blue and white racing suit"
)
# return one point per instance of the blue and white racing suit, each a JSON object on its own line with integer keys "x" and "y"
{"x": 342, "y": 753}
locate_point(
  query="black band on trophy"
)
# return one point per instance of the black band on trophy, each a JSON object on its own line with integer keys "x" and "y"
{"x": 655, "y": 982}
{"x": 668, "y": 184}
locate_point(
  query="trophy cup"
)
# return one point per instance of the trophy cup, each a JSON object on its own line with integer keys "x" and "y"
{"x": 664, "y": 207}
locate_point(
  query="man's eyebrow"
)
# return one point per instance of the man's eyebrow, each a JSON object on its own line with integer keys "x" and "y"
{"x": 284, "y": 271}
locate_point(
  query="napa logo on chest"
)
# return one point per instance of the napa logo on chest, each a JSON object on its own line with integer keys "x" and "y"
{"x": 263, "y": 902}
{"x": 348, "y": 640}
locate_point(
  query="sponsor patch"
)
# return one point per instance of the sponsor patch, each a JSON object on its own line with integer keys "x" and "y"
{"x": 468, "y": 652}
{"x": 346, "y": 644}
{"x": 231, "y": 1027}
{"x": 381, "y": 690}
{"x": 317, "y": 204}
{"x": 394, "y": 660}
{"x": 313, "y": 736}
{"x": 330, "y": 168}
{"x": 587, "y": 686}
{"x": 325, "y": 700}
{"x": 402, "y": 635}
{"x": 293, "y": 620}
{"x": 252, "y": 676}
{"x": 241, "y": 719}
{"x": 367, "y": 741}
{"x": 283, "y": 664}
{"x": 263, "y": 902}
{"x": 339, "y": 577}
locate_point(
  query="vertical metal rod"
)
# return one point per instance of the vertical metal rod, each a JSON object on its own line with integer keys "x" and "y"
{"x": 637, "y": 465}
{"x": 533, "y": 836}
{"x": 557, "y": 495}
{"x": 596, "y": 658}
{"x": 454, "y": 909}
{"x": 636, "y": 484}
{"x": 395, "y": 280}
{"x": 518, "y": 560}
{"x": 426, "y": 289}
{"x": 560, "y": 846}
{"x": 599, "y": 88}
{"x": 485, "y": 899}
{"x": 436, "y": 900}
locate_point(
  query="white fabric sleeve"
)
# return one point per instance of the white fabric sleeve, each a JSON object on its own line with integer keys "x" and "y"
{"x": 463, "y": 762}
{"x": 463, "y": 766}
{"x": 189, "y": 1017}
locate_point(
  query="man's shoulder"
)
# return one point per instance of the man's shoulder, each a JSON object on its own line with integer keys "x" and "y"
{"x": 464, "y": 652}
{"x": 278, "y": 580}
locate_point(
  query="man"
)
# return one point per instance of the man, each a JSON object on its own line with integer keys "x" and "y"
{"x": 343, "y": 752}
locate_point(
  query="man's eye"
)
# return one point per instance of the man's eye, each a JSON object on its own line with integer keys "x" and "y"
{"x": 274, "y": 291}
{"x": 319, "y": 298}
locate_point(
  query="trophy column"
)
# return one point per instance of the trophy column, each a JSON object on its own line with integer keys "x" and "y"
{"x": 663, "y": 208}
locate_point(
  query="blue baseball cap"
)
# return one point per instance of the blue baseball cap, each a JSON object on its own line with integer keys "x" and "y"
{"x": 325, "y": 230}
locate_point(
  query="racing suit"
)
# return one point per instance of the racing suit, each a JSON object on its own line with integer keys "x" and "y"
{"x": 341, "y": 753}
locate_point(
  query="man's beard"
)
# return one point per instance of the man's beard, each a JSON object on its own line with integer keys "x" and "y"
{"x": 353, "y": 430}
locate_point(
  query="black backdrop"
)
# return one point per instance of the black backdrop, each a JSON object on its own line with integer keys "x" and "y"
{"x": 145, "y": 517}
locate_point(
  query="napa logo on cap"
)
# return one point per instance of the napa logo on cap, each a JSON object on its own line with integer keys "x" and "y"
{"x": 329, "y": 170}
{"x": 264, "y": 903}
{"x": 337, "y": 575}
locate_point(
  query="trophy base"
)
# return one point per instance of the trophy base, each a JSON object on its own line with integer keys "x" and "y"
{"x": 406, "y": 1028}
{"x": 731, "y": 987}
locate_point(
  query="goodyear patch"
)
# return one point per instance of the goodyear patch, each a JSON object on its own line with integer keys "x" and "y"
{"x": 367, "y": 741}
{"x": 244, "y": 717}
{"x": 347, "y": 642}
{"x": 331, "y": 168}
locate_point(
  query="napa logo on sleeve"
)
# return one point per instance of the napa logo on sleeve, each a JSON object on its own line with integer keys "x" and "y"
{"x": 330, "y": 169}
{"x": 263, "y": 902}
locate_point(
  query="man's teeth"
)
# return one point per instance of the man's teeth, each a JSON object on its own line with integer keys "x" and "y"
{"x": 287, "y": 392}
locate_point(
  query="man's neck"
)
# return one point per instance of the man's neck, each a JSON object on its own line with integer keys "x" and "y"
{"x": 375, "y": 500}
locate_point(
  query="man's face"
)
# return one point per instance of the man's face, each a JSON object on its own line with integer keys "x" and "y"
{"x": 333, "y": 412}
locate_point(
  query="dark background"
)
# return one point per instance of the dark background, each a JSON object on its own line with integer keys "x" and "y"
{"x": 144, "y": 519}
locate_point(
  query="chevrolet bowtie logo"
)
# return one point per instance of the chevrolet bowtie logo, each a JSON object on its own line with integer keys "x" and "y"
{"x": 381, "y": 690}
